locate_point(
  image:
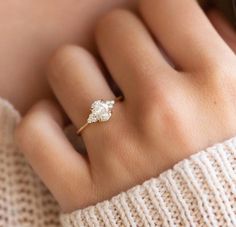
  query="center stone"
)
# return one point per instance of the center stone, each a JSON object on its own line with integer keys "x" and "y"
{"x": 100, "y": 111}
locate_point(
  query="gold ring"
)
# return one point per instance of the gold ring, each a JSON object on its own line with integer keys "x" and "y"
{"x": 101, "y": 111}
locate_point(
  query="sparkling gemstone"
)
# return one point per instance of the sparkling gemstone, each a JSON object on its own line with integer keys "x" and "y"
{"x": 100, "y": 111}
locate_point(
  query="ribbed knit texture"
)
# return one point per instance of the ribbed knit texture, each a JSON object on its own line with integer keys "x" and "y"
{"x": 24, "y": 201}
{"x": 199, "y": 191}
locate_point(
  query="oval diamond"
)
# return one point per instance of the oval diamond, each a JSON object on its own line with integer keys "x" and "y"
{"x": 100, "y": 111}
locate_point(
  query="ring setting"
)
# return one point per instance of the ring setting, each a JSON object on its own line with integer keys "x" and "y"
{"x": 101, "y": 111}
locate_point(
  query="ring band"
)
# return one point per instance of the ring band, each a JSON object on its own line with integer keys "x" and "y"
{"x": 101, "y": 111}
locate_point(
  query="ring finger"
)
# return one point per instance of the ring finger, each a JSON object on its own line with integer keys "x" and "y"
{"x": 77, "y": 82}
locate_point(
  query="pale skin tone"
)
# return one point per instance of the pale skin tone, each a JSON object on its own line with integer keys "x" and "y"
{"x": 31, "y": 31}
{"x": 168, "y": 113}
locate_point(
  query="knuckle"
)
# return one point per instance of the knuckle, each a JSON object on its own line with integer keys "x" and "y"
{"x": 217, "y": 69}
{"x": 218, "y": 79}
{"x": 159, "y": 96}
{"x": 161, "y": 109}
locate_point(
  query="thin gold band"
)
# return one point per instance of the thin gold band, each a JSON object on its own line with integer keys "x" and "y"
{"x": 117, "y": 99}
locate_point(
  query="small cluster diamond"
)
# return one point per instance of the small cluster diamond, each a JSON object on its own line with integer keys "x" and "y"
{"x": 100, "y": 111}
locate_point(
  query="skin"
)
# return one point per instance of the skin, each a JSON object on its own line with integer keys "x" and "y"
{"x": 168, "y": 113}
{"x": 31, "y": 31}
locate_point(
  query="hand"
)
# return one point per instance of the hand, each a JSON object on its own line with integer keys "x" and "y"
{"x": 168, "y": 112}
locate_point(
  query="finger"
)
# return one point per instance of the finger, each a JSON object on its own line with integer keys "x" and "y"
{"x": 130, "y": 53}
{"x": 224, "y": 28}
{"x": 40, "y": 137}
{"x": 186, "y": 34}
{"x": 77, "y": 82}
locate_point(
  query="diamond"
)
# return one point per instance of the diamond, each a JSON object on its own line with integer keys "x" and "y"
{"x": 100, "y": 111}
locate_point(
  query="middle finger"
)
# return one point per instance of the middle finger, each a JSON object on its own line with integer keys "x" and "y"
{"x": 131, "y": 55}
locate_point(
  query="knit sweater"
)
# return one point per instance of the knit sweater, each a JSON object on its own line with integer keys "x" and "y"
{"x": 198, "y": 191}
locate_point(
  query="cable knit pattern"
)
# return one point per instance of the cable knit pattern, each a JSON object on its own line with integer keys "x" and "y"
{"x": 199, "y": 191}
{"x": 24, "y": 201}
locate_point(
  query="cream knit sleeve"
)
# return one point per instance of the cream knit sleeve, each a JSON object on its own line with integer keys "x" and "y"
{"x": 199, "y": 191}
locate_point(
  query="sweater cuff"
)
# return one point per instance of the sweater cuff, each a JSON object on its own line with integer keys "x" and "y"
{"x": 199, "y": 191}
{"x": 9, "y": 118}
